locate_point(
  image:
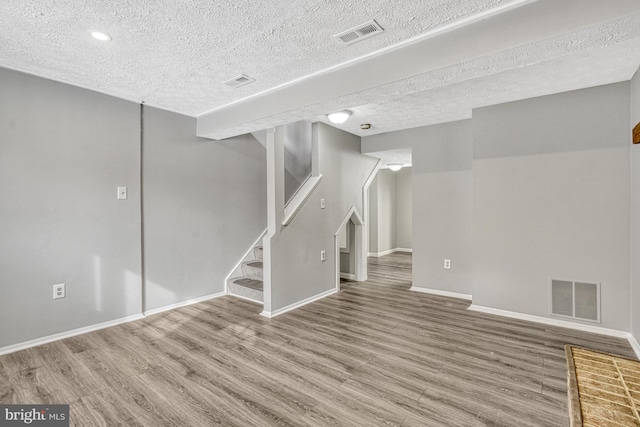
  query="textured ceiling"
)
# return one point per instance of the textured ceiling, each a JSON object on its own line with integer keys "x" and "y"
{"x": 174, "y": 54}
{"x": 600, "y": 54}
{"x": 607, "y": 53}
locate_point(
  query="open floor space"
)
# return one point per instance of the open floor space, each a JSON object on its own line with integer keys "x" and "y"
{"x": 373, "y": 354}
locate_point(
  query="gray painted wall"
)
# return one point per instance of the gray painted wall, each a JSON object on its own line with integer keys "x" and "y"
{"x": 297, "y": 272}
{"x": 443, "y": 207}
{"x": 442, "y": 201}
{"x": 551, "y": 200}
{"x": 297, "y": 156}
{"x": 204, "y": 206}
{"x": 63, "y": 152}
{"x": 387, "y": 211}
{"x": 547, "y": 193}
{"x": 404, "y": 221}
{"x": 524, "y": 192}
{"x": 390, "y": 211}
{"x": 635, "y": 211}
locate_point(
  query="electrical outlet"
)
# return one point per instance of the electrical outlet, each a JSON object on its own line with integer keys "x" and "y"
{"x": 447, "y": 264}
{"x": 323, "y": 255}
{"x": 59, "y": 291}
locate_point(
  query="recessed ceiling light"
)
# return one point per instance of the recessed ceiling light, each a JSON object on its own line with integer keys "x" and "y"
{"x": 365, "y": 126}
{"x": 101, "y": 36}
{"x": 339, "y": 117}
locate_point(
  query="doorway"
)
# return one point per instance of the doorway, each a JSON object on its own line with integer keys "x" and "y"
{"x": 350, "y": 255}
{"x": 390, "y": 213}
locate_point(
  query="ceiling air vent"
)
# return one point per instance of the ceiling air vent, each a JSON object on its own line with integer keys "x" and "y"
{"x": 240, "y": 80}
{"x": 360, "y": 32}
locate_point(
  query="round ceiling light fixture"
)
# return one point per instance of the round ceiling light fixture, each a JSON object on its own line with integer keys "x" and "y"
{"x": 103, "y": 37}
{"x": 395, "y": 166}
{"x": 339, "y": 117}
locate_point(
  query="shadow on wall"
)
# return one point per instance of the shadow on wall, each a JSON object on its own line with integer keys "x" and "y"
{"x": 103, "y": 279}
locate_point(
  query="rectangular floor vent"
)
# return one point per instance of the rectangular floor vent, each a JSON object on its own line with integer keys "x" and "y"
{"x": 360, "y": 32}
{"x": 578, "y": 300}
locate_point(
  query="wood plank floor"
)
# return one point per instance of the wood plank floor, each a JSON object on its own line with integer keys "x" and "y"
{"x": 373, "y": 354}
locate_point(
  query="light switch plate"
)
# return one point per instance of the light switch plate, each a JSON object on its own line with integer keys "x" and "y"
{"x": 122, "y": 193}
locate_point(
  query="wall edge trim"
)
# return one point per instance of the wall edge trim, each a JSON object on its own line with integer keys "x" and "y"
{"x": 271, "y": 314}
{"x": 390, "y": 251}
{"x": 634, "y": 345}
{"x": 184, "y": 303}
{"x": 441, "y": 293}
{"x": 68, "y": 334}
{"x": 551, "y": 322}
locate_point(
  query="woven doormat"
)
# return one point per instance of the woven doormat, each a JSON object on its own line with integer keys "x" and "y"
{"x": 604, "y": 389}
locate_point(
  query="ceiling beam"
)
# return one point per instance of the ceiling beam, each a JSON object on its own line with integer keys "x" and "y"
{"x": 486, "y": 35}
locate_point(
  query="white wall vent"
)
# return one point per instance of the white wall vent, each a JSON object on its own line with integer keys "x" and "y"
{"x": 578, "y": 300}
{"x": 240, "y": 80}
{"x": 360, "y": 32}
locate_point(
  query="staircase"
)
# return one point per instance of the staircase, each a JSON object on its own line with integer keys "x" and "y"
{"x": 247, "y": 282}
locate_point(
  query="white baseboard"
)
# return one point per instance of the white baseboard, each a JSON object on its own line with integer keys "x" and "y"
{"x": 347, "y": 276}
{"x": 441, "y": 293}
{"x": 298, "y": 304}
{"x": 552, "y": 322}
{"x": 390, "y": 251}
{"x": 72, "y": 333}
{"x": 634, "y": 345}
{"x": 379, "y": 254}
{"x": 183, "y": 303}
{"x": 404, "y": 250}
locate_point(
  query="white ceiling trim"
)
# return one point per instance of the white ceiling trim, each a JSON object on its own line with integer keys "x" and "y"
{"x": 380, "y": 52}
{"x": 450, "y": 93}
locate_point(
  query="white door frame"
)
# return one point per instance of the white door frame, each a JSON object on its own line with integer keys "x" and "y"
{"x": 358, "y": 246}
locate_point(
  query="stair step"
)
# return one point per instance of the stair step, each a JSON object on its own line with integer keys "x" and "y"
{"x": 246, "y": 287}
{"x": 248, "y": 283}
{"x": 257, "y": 253}
{"x": 252, "y": 269}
